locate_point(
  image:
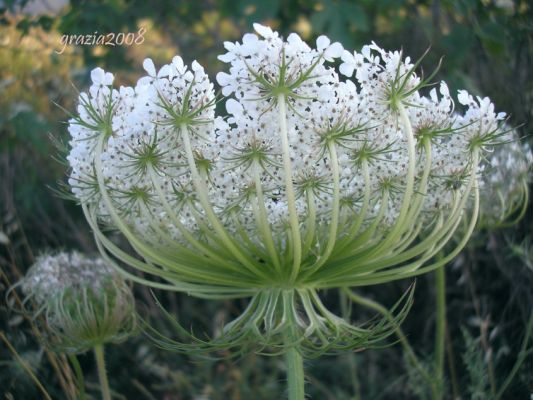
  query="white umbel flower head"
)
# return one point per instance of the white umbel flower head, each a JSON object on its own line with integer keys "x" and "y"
{"x": 312, "y": 181}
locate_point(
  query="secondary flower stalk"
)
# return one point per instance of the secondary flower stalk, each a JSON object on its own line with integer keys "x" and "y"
{"x": 85, "y": 303}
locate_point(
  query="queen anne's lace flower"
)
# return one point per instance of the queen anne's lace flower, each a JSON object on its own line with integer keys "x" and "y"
{"x": 84, "y": 301}
{"x": 312, "y": 181}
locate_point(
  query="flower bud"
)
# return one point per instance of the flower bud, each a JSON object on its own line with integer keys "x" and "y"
{"x": 84, "y": 302}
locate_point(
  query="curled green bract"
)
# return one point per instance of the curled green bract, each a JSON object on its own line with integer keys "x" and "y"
{"x": 278, "y": 319}
{"x": 80, "y": 319}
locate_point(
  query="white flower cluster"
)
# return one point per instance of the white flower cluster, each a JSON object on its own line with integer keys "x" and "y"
{"x": 309, "y": 167}
{"x": 504, "y": 188}
{"x": 51, "y": 275}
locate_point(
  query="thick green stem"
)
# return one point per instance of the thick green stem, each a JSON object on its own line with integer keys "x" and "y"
{"x": 102, "y": 374}
{"x": 440, "y": 325}
{"x": 295, "y": 372}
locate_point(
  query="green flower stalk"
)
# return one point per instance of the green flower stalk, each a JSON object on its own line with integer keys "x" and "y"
{"x": 85, "y": 304}
{"x": 312, "y": 182}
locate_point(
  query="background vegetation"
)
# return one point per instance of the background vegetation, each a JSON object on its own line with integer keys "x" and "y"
{"x": 487, "y": 47}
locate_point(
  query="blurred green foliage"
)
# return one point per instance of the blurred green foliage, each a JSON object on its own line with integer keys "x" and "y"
{"x": 487, "y": 47}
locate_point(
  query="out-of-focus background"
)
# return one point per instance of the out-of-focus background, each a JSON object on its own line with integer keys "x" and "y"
{"x": 487, "y": 48}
